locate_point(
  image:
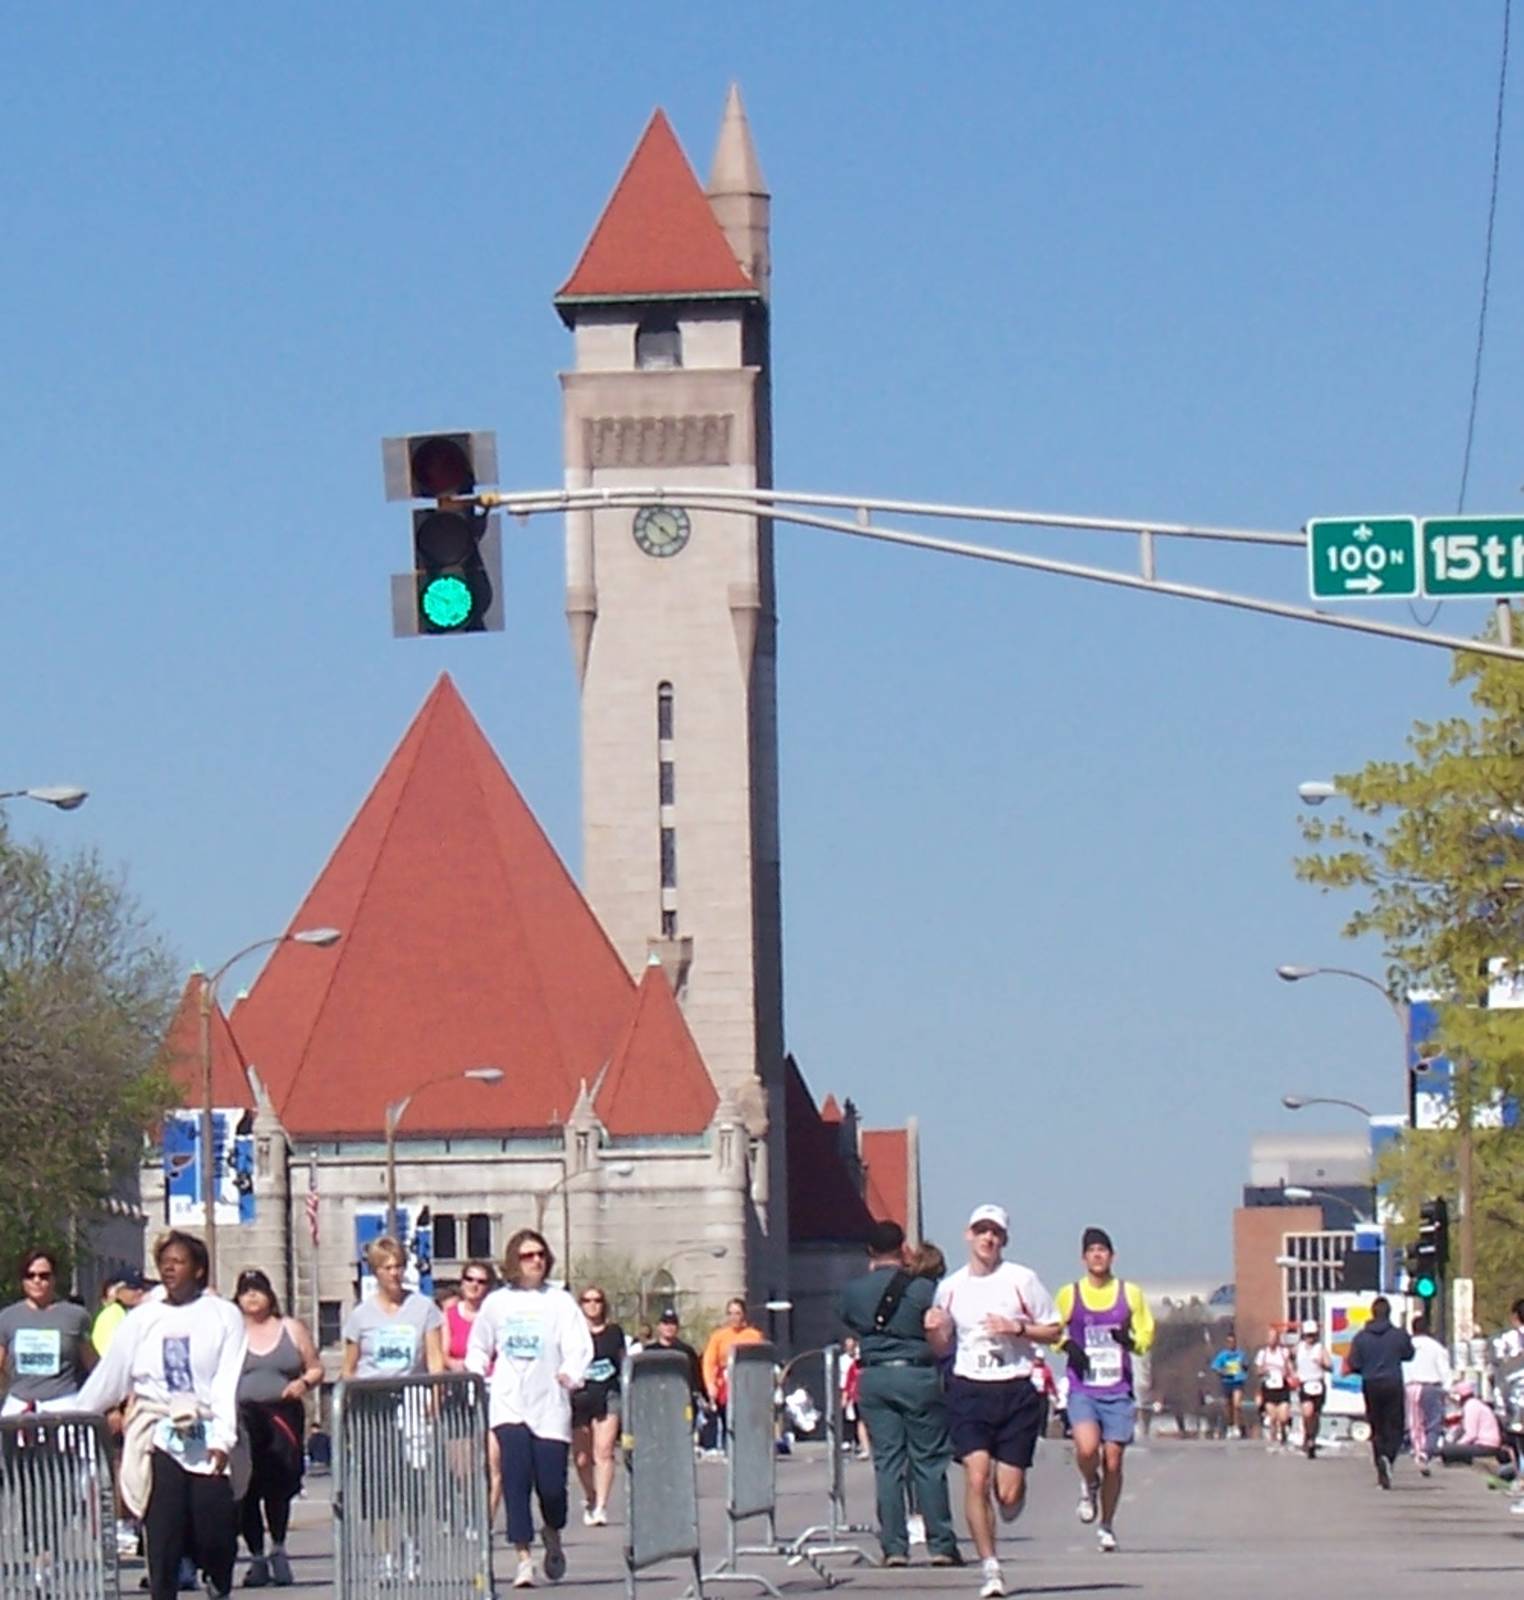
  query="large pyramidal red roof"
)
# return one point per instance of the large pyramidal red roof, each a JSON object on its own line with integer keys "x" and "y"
{"x": 465, "y": 943}
{"x": 657, "y": 236}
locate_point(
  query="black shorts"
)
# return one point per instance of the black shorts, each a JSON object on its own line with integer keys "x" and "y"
{"x": 593, "y": 1403}
{"x": 1001, "y": 1418}
{"x": 1313, "y": 1400}
{"x": 1274, "y": 1397}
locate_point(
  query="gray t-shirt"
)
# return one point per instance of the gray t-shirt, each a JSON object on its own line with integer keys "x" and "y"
{"x": 391, "y": 1346}
{"x": 42, "y": 1348}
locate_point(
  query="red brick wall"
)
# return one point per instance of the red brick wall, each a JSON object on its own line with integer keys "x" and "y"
{"x": 1259, "y": 1234}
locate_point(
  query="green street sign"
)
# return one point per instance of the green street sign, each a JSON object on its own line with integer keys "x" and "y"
{"x": 1472, "y": 555}
{"x": 1363, "y": 558}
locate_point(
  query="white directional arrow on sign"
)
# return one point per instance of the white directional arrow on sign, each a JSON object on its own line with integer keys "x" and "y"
{"x": 1369, "y": 582}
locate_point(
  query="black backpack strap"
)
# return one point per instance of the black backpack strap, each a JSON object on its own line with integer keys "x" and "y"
{"x": 889, "y": 1301}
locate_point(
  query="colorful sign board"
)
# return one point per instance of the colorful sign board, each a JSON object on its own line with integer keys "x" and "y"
{"x": 232, "y": 1164}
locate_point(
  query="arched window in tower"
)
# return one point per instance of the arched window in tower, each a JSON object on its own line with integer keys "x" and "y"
{"x": 658, "y": 341}
{"x": 666, "y": 799}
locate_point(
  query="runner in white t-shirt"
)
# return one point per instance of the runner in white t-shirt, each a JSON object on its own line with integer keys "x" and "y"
{"x": 1312, "y": 1364}
{"x": 993, "y": 1315}
{"x": 1272, "y": 1361}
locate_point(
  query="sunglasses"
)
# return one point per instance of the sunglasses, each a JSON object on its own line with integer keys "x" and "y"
{"x": 41, "y": 1277}
{"x": 592, "y": 1300}
{"x": 987, "y": 1227}
{"x": 474, "y": 1280}
{"x": 531, "y": 1255}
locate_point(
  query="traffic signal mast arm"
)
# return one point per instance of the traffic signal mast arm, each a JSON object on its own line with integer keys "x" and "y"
{"x": 783, "y": 506}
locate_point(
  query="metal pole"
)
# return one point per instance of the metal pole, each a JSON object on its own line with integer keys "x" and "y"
{"x": 393, "y": 1117}
{"x": 208, "y": 1162}
{"x": 1464, "y": 1164}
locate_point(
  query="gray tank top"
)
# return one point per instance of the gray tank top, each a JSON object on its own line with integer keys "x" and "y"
{"x": 264, "y": 1376}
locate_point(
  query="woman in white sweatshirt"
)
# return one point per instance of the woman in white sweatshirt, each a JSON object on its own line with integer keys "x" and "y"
{"x": 178, "y": 1360}
{"x": 535, "y": 1342}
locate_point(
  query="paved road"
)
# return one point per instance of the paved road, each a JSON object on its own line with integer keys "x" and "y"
{"x": 1214, "y": 1519}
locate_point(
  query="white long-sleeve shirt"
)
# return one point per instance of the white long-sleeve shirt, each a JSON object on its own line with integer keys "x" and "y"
{"x": 177, "y": 1355}
{"x": 1430, "y": 1363}
{"x": 531, "y": 1339}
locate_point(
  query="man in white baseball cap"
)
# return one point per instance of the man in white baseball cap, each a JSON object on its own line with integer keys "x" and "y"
{"x": 993, "y": 1314}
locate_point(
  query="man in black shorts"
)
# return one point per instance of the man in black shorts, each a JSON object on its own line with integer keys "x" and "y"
{"x": 992, "y": 1314}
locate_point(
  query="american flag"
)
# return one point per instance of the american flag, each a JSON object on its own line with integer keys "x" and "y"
{"x": 312, "y": 1200}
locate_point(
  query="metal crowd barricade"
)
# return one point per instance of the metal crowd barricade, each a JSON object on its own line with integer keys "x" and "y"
{"x": 751, "y": 1466}
{"x": 57, "y": 1508}
{"x": 827, "y": 1538}
{"x": 657, "y": 1434}
{"x": 410, "y": 1487}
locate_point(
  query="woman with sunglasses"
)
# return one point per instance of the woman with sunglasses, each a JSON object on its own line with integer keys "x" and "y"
{"x": 476, "y": 1280}
{"x": 279, "y": 1371}
{"x": 595, "y": 1409}
{"x": 532, "y": 1344}
{"x": 45, "y": 1347}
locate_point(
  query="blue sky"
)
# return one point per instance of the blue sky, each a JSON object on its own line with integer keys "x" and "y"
{"x": 1195, "y": 262}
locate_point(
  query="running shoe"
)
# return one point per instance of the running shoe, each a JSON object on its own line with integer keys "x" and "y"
{"x": 587, "y": 1516}
{"x": 948, "y": 1558}
{"x": 598, "y": 1517}
{"x": 258, "y": 1574}
{"x": 1086, "y": 1508}
{"x": 524, "y": 1577}
{"x": 1105, "y": 1539}
{"x": 281, "y": 1574}
{"x": 1383, "y": 1472}
{"x": 994, "y": 1580}
{"x": 555, "y": 1556}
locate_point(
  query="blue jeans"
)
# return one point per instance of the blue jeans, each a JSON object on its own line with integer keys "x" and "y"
{"x": 531, "y": 1463}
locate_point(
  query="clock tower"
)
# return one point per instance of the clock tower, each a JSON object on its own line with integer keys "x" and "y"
{"x": 671, "y": 613}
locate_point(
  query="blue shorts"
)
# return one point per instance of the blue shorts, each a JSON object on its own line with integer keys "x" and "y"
{"x": 1112, "y": 1413}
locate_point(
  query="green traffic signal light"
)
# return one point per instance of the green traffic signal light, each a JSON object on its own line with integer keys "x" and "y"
{"x": 1424, "y": 1286}
{"x": 446, "y": 601}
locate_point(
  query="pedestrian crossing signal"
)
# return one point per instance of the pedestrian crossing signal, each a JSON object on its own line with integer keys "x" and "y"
{"x": 1424, "y": 1286}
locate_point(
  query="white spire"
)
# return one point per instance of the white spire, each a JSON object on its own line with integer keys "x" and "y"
{"x": 735, "y": 168}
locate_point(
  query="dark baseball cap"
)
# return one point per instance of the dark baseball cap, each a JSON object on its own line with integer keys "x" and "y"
{"x": 668, "y": 1314}
{"x": 131, "y": 1280}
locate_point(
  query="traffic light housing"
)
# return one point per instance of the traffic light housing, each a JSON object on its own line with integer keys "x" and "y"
{"x": 457, "y": 578}
{"x": 1427, "y": 1259}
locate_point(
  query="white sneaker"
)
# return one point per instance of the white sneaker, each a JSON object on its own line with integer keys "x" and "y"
{"x": 588, "y": 1513}
{"x": 598, "y": 1517}
{"x": 524, "y": 1577}
{"x": 915, "y": 1525}
{"x": 994, "y": 1581}
{"x": 1105, "y": 1539}
{"x": 1085, "y": 1510}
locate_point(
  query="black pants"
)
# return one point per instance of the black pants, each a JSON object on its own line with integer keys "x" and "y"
{"x": 531, "y": 1463}
{"x": 185, "y": 1510}
{"x": 1385, "y": 1407}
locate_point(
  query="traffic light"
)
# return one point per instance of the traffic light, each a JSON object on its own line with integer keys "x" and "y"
{"x": 1428, "y": 1257}
{"x": 457, "y": 577}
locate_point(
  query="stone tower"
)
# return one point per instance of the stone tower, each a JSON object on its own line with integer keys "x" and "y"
{"x": 671, "y": 613}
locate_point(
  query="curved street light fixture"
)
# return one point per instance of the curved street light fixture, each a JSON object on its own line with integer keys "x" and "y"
{"x": 321, "y": 938}
{"x": 1299, "y": 1195}
{"x": 61, "y": 796}
{"x": 1295, "y": 1102}
{"x": 618, "y": 1169}
{"x": 645, "y": 1283}
{"x": 397, "y": 1110}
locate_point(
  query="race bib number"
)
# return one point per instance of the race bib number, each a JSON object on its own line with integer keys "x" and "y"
{"x": 601, "y": 1370}
{"x": 1104, "y": 1356}
{"x": 38, "y": 1352}
{"x": 1275, "y": 1380}
{"x": 1312, "y": 1388}
{"x": 177, "y": 1364}
{"x": 393, "y": 1349}
{"x": 521, "y": 1338}
{"x": 186, "y": 1444}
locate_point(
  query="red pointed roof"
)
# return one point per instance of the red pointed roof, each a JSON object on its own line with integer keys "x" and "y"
{"x": 823, "y": 1202}
{"x": 182, "y": 1053}
{"x": 829, "y": 1110}
{"x": 886, "y": 1156}
{"x": 657, "y": 236}
{"x": 465, "y": 943}
{"x": 656, "y": 1080}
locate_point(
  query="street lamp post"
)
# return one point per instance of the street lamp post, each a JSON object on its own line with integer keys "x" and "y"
{"x": 1299, "y": 1195}
{"x": 397, "y": 1110}
{"x": 61, "y": 796}
{"x": 1290, "y": 972}
{"x": 1296, "y": 1102}
{"x": 619, "y": 1169}
{"x": 322, "y": 938}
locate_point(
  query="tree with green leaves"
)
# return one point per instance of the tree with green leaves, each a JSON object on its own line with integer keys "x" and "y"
{"x": 85, "y": 996}
{"x": 1434, "y": 846}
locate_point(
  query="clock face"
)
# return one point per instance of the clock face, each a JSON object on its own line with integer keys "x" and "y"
{"x": 661, "y": 530}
